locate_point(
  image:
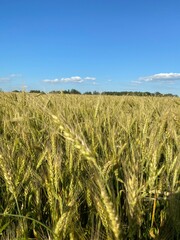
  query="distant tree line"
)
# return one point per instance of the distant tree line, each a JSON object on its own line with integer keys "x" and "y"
{"x": 127, "y": 93}
{"x": 112, "y": 93}
{"x": 123, "y": 93}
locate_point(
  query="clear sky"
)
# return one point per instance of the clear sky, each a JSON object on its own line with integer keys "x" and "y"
{"x": 103, "y": 45}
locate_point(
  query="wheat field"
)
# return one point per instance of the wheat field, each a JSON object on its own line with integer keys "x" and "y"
{"x": 76, "y": 167}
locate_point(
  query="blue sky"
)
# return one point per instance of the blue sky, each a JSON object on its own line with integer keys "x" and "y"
{"x": 103, "y": 45}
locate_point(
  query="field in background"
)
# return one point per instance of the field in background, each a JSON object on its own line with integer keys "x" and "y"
{"x": 89, "y": 167}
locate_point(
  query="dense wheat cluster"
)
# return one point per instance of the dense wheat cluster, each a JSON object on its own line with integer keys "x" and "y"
{"x": 89, "y": 167}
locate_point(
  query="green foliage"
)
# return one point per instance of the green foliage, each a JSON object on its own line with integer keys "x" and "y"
{"x": 36, "y": 91}
{"x": 89, "y": 167}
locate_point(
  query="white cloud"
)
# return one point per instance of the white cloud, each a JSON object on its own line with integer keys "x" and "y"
{"x": 74, "y": 79}
{"x": 14, "y": 75}
{"x": 136, "y": 82}
{"x": 10, "y": 77}
{"x": 160, "y": 77}
{"x": 4, "y": 79}
{"x": 95, "y": 83}
{"x": 90, "y": 78}
{"x": 51, "y": 80}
